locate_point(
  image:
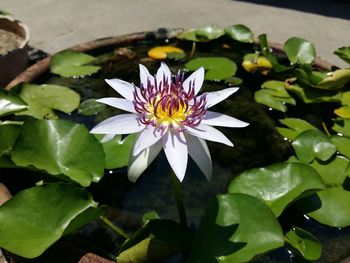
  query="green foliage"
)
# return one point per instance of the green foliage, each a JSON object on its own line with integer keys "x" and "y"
{"x": 10, "y": 103}
{"x": 343, "y": 144}
{"x": 61, "y": 148}
{"x": 295, "y": 127}
{"x": 35, "y": 218}
{"x": 235, "y": 228}
{"x": 69, "y": 63}
{"x": 304, "y": 243}
{"x": 42, "y": 99}
{"x": 299, "y": 51}
{"x": 240, "y": 33}
{"x": 342, "y": 127}
{"x": 343, "y": 53}
{"x": 8, "y": 136}
{"x": 218, "y": 68}
{"x": 91, "y": 107}
{"x": 155, "y": 241}
{"x": 277, "y": 185}
{"x": 203, "y": 34}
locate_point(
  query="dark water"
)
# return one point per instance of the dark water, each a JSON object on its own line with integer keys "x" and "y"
{"x": 257, "y": 145}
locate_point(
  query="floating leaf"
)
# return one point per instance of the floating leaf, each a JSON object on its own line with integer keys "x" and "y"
{"x": 204, "y": 34}
{"x": 41, "y": 99}
{"x": 235, "y": 228}
{"x": 343, "y": 127}
{"x": 240, "y": 33}
{"x": 8, "y": 136}
{"x": 299, "y": 50}
{"x": 295, "y": 127}
{"x": 32, "y": 220}
{"x": 162, "y": 52}
{"x": 304, "y": 243}
{"x": 91, "y": 107}
{"x": 335, "y": 80}
{"x": 155, "y": 241}
{"x": 69, "y": 63}
{"x": 10, "y": 103}
{"x": 313, "y": 144}
{"x": 343, "y": 53}
{"x": 218, "y": 68}
{"x": 345, "y": 98}
{"x": 118, "y": 150}
{"x": 254, "y": 63}
{"x": 277, "y": 185}
{"x": 60, "y": 147}
{"x": 343, "y": 112}
{"x": 343, "y": 144}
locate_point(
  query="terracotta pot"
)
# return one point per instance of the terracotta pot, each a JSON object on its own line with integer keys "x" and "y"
{"x": 16, "y": 61}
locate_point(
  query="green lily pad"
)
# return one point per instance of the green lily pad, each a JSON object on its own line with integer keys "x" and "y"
{"x": 309, "y": 77}
{"x": 345, "y": 98}
{"x": 273, "y": 94}
{"x": 203, "y": 34}
{"x": 240, "y": 33}
{"x": 34, "y": 219}
{"x": 313, "y": 144}
{"x": 155, "y": 241}
{"x": 299, "y": 50}
{"x": 235, "y": 228}
{"x": 91, "y": 107}
{"x": 277, "y": 185}
{"x": 342, "y": 127}
{"x": 304, "y": 243}
{"x": 343, "y": 112}
{"x": 343, "y": 53}
{"x": 218, "y": 68}
{"x": 69, "y": 63}
{"x": 343, "y": 144}
{"x": 61, "y": 148}
{"x": 10, "y": 103}
{"x": 118, "y": 150}
{"x": 8, "y": 136}
{"x": 295, "y": 127}
{"x": 42, "y": 99}
{"x": 335, "y": 80}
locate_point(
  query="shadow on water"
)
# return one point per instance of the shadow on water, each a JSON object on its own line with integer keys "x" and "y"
{"x": 331, "y": 8}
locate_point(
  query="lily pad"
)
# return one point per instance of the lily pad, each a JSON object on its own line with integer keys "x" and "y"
{"x": 155, "y": 241}
{"x": 203, "y": 34}
{"x": 8, "y": 136}
{"x": 343, "y": 112}
{"x": 240, "y": 33}
{"x": 277, "y": 185}
{"x": 295, "y": 127}
{"x": 343, "y": 144}
{"x": 91, "y": 107}
{"x": 343, "y": 53}
{"x": 345, "y": 98}
{"x": 306, "y": 244}
{"x": 61, "y": 148}
{"x": 335, "y": 80}
{"x": 342, "y": 127}
{"x": 299, "y": 50}
{"x": 10, "y": 103}
{"x": 235, "y": 228}
{"x": 163, "y": 52}
{"x": 313, "y": 144}
{"x": 218, "y": 68}
{"x": 34, "y": 219}
{"x": 255, "y": 63}
{"x": 42, "y": 99}
{"x": 69, "y": 63}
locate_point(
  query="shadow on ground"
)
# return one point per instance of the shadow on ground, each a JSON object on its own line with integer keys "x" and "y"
{"x": 331, "y": 8}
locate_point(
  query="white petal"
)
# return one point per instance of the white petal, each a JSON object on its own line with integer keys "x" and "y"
{"x": 120, "y": 124}
{"x": 147, "y": 138}
{"x": 138, "y": 164}
{"x": 107, "y": 138}
{"x": 195, "y": 79}
{"x": 118, "y": 103}
{"x": 218, "y": 119}
{"x": 198, "y": 150}
{"x": 175, "y": 149}
{"x": 215, "y": 97}
{"x": 163, "y": 73}
{"x": 124, "y": 88}
{"x": 145, "y": 76}
{"x": 209, "y": 133}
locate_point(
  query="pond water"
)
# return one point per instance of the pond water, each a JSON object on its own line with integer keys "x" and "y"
{"x": 257, "y": 145}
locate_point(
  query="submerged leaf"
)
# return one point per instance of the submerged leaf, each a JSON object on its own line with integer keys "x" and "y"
{"x": 218, "y": 68}
{"x": 42, "y": 99}
{"x": 32, "y": 220}
{"x": 91, "y": 107}
{"x": 69, "y": 63}
{"x": 299, "y": 50}
{"x": 240, "y": 33}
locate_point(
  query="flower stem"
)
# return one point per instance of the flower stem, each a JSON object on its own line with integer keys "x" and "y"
{"x": 178, "y": 198}
{"x": 193, "y": 50}
{"x": 114, "y": 227}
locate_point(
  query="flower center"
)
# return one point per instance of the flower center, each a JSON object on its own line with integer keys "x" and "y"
{"x": 169, "y": 105}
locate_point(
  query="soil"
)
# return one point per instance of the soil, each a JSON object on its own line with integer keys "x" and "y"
{"x": 9, "y": 41}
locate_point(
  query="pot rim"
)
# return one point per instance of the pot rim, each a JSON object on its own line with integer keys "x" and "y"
{"x": 42, "y": 66}
{"x": 23, "y": 26}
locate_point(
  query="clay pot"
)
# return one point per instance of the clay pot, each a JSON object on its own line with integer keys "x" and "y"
{"x": 15, "y": 61}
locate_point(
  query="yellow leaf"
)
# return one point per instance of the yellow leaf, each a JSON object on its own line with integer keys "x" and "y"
{"x": 162, "y": 52}
{"x": 261, "y": 64}
{"x": 343, "y": 112}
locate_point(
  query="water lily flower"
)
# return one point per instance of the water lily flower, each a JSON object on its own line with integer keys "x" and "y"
{"x": 167, "y": 113}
